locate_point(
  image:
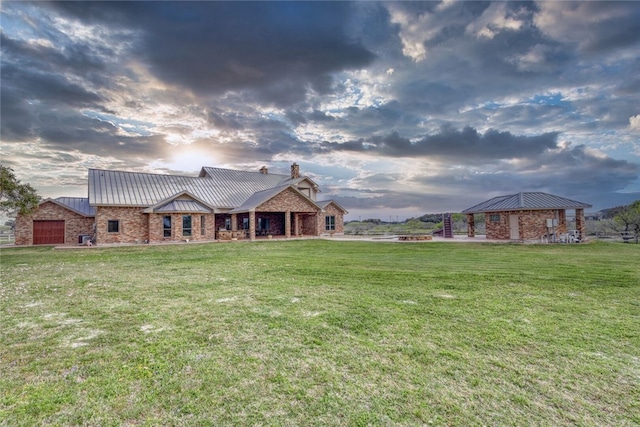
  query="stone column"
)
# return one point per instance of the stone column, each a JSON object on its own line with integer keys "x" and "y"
{"x": 234, "y": 222}
{"x": 471, "y": 225}
{"x": 562, "y": 221}
{"x": 287, "y": 224}
{"x": 252, "y": 225}
{"x": 580, "y": 225}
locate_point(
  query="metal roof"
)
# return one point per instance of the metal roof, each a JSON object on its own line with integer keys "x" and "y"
{"x": 221, "y": 188}
{"x": 215, "y": 187}
{"x": 183, "y": 206}
{"x": 79, "y": 205}
{"x": 526, "y": 201}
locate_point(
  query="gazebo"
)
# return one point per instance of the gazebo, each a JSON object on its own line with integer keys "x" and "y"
{"x": 526, "y": 216}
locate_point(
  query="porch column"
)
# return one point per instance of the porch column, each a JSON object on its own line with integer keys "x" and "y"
{"x": 580, "y": 225}
{"x": 234, "y": 222}
{"x": 287, "y": 224}
{"x": 252, "y": 225}
{"x": 562, "y": 221}
{"x": 471, "y": 225}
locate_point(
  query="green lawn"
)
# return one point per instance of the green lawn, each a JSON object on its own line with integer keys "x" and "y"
{"x": 321, "y": 333}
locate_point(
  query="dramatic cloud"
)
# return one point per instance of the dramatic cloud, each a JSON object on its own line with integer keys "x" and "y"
{"x": 394, "y": 108}
{"x": 467, "y": 145}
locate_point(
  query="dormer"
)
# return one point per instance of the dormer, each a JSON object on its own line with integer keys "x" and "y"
{"x": 304, "y": 184}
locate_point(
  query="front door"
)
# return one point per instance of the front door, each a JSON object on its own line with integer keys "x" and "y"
{"x": 514, "y": 227}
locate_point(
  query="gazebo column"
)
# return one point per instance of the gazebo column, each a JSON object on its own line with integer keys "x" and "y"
{"x": 471, "y": 225}
{"x": 287, "y": 224}
{"x": 562, "y": 221}
{"x": 252, "y": 225}
{"x": 580, "y": 224}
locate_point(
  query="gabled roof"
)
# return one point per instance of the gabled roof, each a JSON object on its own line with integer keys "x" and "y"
{"x": 526, "y": 201}
{"x": 261, "y": 197}
{"x": 78, "y": 205}
{"x": 190, "y": 206}
{"x": 181, "y": 202}
{"x": 214, "y": 188}
{"x": 117, "y": 188}
{"x": 323, "y": 204}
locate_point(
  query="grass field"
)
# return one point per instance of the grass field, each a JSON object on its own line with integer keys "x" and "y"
{"x": 321, "y": 333}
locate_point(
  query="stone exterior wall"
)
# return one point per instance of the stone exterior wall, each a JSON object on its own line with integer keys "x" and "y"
{"x": 309, "y": 225}
{"x": 156, "y": 227}
{"x": 75, "y": 224}
{"x": 133, "y": 225}
{"x": 532, "y": 225}
{"x": 332, "y": 210}
{"x": 291, "y": 201}
{"x": 288, "y": 200}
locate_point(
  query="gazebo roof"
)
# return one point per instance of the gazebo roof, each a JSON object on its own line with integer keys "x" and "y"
{"x": 526, "y": 202}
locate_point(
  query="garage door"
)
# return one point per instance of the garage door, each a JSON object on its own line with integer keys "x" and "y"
{"x": 48, "y": 232}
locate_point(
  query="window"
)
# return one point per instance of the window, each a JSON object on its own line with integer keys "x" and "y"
{"x": 245, "y": 223}
{"x": 186, "y": 226}
{"x": 330, "y": 222}
{"x": 494, "y": 218}
{"x": 263, "y": 224}
{"x": 227, "y": 223}
{"x": 166, "y": 225}
{"x": 202, "y": 227}
{"x": 113, "y": 226}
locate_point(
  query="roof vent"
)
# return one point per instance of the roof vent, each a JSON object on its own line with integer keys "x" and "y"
{"x": 264, "y": 170}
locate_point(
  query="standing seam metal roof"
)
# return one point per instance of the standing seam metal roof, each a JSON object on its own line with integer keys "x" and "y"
{"x": 219, "y": 188}
{"x": 526, "y": 201}
{"x": 79, "y": 205}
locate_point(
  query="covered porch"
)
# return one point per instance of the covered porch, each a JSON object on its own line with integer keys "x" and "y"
{"x": 254, "y": 225}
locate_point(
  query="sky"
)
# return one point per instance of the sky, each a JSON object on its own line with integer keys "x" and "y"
{"x": 395, "y": 109}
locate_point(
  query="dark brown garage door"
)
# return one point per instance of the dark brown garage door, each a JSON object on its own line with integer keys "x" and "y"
{"x": 48, "y": 232}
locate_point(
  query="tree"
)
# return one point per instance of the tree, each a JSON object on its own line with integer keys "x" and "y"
{"x": 629, "y": 218}
{"x": 15, "y": 196}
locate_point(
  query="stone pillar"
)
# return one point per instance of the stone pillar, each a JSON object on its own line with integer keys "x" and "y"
{"x": 252, "y": 225}
{"x": 562, "y": 221}
{"x": 580, "y": 225}
{"x": 234, "y": 222}
{"x": 287, "y": 224}
{"x": 471, "y": 225}
{"x": 296, "y": 224}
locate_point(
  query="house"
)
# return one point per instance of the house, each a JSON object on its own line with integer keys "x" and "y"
{"x": 526, "y": 216}
{"x": 223, "y": 204}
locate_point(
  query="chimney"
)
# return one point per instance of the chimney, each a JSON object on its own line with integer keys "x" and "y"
{"x": 295, "y": 171}
{"x": 264, "y": 170}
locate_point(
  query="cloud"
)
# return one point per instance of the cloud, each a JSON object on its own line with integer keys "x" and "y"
{"x": 418, "y": 106}
{"x": 279, "y": 50}
{"x": 596, "y": 27}
{"x": 467, "y": 145}
{"x": 494, "y": 19}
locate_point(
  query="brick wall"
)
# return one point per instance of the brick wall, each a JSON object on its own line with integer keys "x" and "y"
{"x": 288, "y": 200}
{"x": 531, "y": 224}
{"x": 133, "y": 225}
{"x": 332, "y": 209}
{"x": 75, "y": 224}
{"x": 156, "y": 227}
